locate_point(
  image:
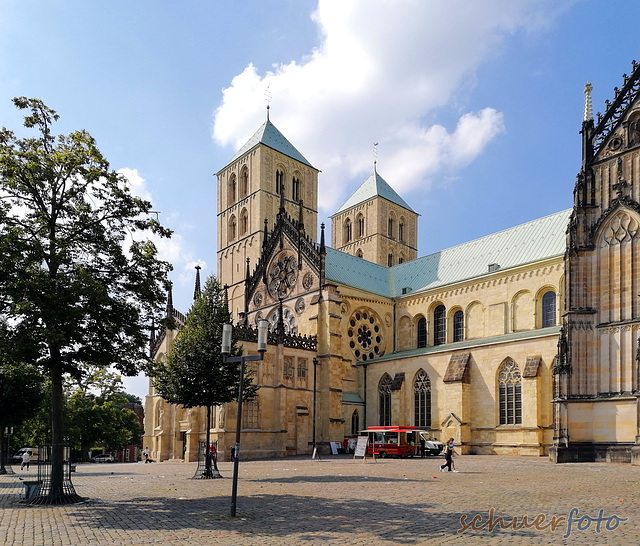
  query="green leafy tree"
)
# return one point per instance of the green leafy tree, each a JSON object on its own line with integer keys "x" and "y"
{"x": 79, "y": 277}
{"x": 194, "y": 374}
{"x": 21, "y": 389}
{"x": 95, "y": 414}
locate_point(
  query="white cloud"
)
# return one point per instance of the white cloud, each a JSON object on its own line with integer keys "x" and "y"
{"x": 379, "y": 70}
{"x": 138, "y": 185}
{"x": 175, "y": 250}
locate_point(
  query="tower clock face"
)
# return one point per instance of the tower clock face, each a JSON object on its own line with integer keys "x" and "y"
{"x": 283, "y": 274}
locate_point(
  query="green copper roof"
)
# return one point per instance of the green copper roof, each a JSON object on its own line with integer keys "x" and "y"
{"x": 469, "y": 344}
{"x": 269, "y": 136}
{"x": 527, "y": 243}
{"x": 374, "y": 186}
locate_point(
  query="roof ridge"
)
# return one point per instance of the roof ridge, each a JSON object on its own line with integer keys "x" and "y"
{"x": 270, "y": 136}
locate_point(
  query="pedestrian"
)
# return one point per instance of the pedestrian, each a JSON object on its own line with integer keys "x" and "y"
{"x": 423, "y": 446}
{"x": 448, "y": 457}
{"x": 26, "y": 459}
{"x": 146, "y": 453}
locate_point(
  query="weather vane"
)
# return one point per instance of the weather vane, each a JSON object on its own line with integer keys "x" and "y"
{"x": 267, "y": 95}
{"x": 375, "y": 153}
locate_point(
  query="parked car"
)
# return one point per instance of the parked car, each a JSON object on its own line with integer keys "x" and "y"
{"x": 104, "y": 458}
{"x": 432, "y": 446}
{"x": 17, "y": 456}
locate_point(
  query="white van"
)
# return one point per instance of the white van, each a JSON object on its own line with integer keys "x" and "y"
{"x": 17, "y": 456}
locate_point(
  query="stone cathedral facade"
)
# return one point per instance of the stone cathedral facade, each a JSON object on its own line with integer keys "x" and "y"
{"x": 521, "y": 342}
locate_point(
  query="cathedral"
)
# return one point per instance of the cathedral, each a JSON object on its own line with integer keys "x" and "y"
{"x": 523, "y": 342}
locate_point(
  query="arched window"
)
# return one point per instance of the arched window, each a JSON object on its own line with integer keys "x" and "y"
{"x": 251, "y": 414}
{"x": 231, "y": 195}
{"x": 401, "y": 259}
{"x": 359, "y": 254}
{"x": 302, "y": 367}
{"x": 422, "y": 332}
{"x": 232, "y": 228}
{"x": 244, "y": 222}
{"x": 439, "y": 325}
{"x": 549, "y": 309}
{"x": 355, "y": 422}
{"x": 287, "y": 369}
{"x": 384, "y": 400}
{"x": 422, "y": 400}
{"x": 360, "y": 221}
{"x": 401, "y": 230}
{"x": 347, "y": 230}
{"x": 509, "y": 382}
{"x": 295, "y": 188}
{"x": 244, "y": 182}
{"x": 390, "y": 227}
{"x": 458, "y": 326}
{"x": 279, "y": 182}
{"x": 390, "y": 260}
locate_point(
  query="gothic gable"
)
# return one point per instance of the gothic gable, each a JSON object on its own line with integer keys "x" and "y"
{"x": 287, "y": 272}
{"x": 618, "y": 129}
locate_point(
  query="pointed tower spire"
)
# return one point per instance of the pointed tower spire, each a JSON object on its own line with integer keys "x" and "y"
{"x": 268, "y": 108}
{"x": 588, "y": 110}
{"x": 226, "y": 297}
{"x": 300, "y": 216}
{"x": 170, "y": 300}
{"x": 323, "y": 249}
{"x": 196, "y": 290}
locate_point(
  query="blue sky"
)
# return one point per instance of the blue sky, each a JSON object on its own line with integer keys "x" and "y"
{"x": 476, "y": 105}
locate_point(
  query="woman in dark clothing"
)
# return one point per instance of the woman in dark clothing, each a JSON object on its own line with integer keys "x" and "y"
{"x": 448, "y": 456}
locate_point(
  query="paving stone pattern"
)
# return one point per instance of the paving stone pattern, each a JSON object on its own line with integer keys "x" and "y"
{"x": 336, "y": 500}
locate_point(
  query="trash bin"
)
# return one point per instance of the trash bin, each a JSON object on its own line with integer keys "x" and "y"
{"x": 30, "y": 489}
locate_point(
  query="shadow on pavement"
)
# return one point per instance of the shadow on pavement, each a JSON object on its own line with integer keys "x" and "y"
{"x": 308, "y": 518}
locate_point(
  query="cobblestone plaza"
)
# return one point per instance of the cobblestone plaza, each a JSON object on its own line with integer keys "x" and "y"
{"x": 336, "y": 500}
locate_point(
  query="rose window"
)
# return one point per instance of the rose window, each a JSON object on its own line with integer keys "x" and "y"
{"x": 365, "y": 335}
{"x": 282, "y": 276}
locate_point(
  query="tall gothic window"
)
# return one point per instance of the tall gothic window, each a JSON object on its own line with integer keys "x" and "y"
{"x": 422, "y": 332}
{"x": 390, "y": 260}
{"x": 439, "y": 325}
{"x": 355, "y": 422}
{"x": 458, "y": 326}
{"x": 509, "y": 382}
{"x": 295, "y": 188}
{"x": 244, "y": 222}
{"x": 231, "y": 196}
{"x": 279, "y": 182}
{"x": 232, "y": 228}
{"x": 384, "y": 400}
{"x": 360, "y": 221}
{"x": 390, "y": 228}
{"x": 347, "y": 230}
{"x": 549, "y": 309}
{"x": 244, "y": 182}
{"x": 422, "y": 400}
{"x": 401, "y": 231}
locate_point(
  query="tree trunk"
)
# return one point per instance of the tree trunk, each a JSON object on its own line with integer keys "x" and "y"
{"x": 207, "y": 465}
{"x": 56, "y": 491}
{"x": 3, "y": 470}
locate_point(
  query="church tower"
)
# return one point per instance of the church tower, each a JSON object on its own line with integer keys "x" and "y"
{"x": 596, "y": 373}
{"x": 267, "y": 173}
{"x": 376, "y": 224}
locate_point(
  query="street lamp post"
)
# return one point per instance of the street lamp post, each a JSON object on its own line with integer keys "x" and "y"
{"x": 227, "y": 330}
{"x": 315, "y": 365}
